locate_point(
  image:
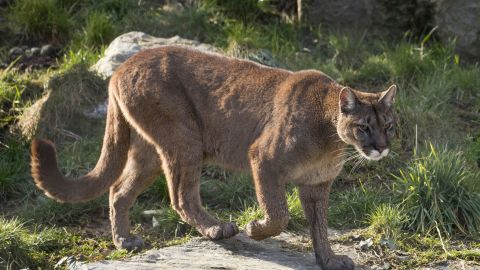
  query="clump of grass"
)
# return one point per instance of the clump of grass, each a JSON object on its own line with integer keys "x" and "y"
{"x": 12, "y": 88}
{"x": 99, "y": 30}
{"x": 69, "y": 95}
{"x": 192, "y": 21}
{"x": 171, "y": 225}
{"x": 351, "y": 208}
{"x": 249, "y": 213}
{"x": 375, "y": 70}
{"x": 13, "y": 168}
{"x": 297, "y": 218}
{"x": 241, "y": 38}
{"x": 406, "y": 61}
{"x": 244, "y": 10}
{"x": 45, "y": 20}
{"x": 387, "y": 220}
{"x": 349, "y": 51}
{"x": 157, "y": 192}
{"x": 117, "y": 9}
{"x": 466, "y": 81}
{"x": 232, "y": 192}
{"x": 439, "y": 193}
{"x": 47, "y": 211}
{"x": 23, "y": 248}
{"x": 74, "y": 58}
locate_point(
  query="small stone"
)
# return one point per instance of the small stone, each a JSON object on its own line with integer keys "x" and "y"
{"x": 35, "y": 50}
{"x": 15, "y": 51}
{"x": 366, "y": 244}
{"x": 47, "y": 50}
{"x": 155, "y": 222}
{"x": 28, "y": 53}
{"x": 388, "y": 243}
{"x": 403, "y": 258}
{"x": 149, "y": 213}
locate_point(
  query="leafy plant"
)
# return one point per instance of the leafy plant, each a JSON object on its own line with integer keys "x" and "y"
{"x": 439, "y": 192}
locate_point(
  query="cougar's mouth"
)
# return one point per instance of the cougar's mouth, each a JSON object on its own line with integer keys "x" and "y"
{"x": 373, "y": 154}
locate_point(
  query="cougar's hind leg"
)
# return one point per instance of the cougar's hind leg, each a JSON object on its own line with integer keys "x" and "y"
{"x": 182, "y": 164}
{"x": 143, "y": 166}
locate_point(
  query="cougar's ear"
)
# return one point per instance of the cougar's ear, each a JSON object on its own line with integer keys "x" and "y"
{"x": 348, "y": 100}
{"x": 388, "y": 97}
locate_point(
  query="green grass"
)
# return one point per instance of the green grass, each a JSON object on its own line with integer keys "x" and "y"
{"x": 387, "y": 221}
{"x": 44, "y": 19}
{"x": 23, "y": 246}
{"x": 438, "y": 102}
{"x": 440, "y": 193}
{"x": 99, "y": 30}
{"x": 351, "y": 208}
{"x": 13, "y": 170}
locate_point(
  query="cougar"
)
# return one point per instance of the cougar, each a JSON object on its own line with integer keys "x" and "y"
{"x": 173, "y": 109}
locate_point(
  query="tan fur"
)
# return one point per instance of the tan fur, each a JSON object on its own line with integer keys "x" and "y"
{"x": 195, "y": 108}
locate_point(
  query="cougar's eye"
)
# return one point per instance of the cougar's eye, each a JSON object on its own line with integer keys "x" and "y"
{"x": 388, "y": 126}
{"x": 363, "y": 128}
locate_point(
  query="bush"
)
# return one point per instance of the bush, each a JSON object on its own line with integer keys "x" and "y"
{"x": 439, "y": 192}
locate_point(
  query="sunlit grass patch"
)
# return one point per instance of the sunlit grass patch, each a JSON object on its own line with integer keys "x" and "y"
{"x": 351, "y": 208}
{"x": 23, "y": 246}
{"x": 249, "y": 213}
{"x": 440, "y": 194}
{"x": 387, "y": 221}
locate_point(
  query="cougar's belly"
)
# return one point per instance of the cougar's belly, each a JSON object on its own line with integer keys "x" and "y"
{"x": 319, "y": 171}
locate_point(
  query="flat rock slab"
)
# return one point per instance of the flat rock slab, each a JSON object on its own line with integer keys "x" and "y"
{"x": 239, "y": 252}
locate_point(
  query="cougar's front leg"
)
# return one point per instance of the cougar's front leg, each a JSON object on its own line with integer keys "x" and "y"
{"x": 315, "y": 205}
{"x": 270, "y": 191}
{"x": 143, "y": 166}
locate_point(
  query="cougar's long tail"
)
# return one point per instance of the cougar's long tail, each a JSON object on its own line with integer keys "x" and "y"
{"x": 110, "y": 165}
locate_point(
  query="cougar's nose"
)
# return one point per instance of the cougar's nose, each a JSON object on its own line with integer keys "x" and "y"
{"x": 380, "y": 147}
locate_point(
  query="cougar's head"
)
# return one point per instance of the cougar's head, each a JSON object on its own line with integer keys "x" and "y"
{"x": 366, "y": 121}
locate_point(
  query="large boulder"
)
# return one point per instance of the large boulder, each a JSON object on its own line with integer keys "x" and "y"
{"x": 130, "y": 43}
{"x": 460, "y": 21}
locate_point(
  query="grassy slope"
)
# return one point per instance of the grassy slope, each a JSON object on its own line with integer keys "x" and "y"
{"x": 438, "y": 103}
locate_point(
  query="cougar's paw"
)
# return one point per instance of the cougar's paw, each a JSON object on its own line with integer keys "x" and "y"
{"x": 131, "y": 243}
{"x": 257, "y": 231}
{"x": 338, "y": 262}
{"x": 222, "y": 231}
